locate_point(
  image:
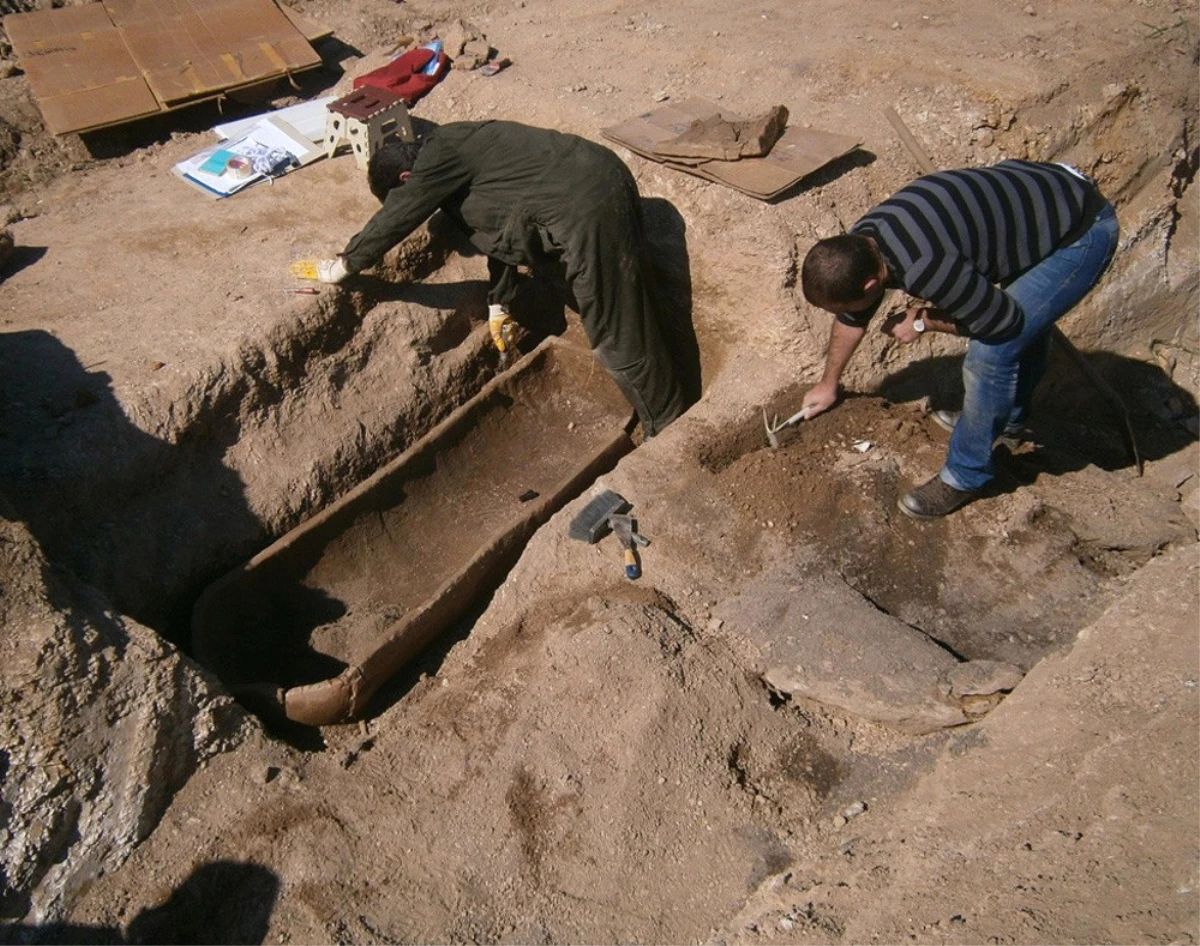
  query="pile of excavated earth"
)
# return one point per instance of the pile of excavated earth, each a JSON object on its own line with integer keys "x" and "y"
{"x": 811, "y": 719}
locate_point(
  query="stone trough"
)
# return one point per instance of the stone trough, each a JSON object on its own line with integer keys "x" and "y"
{"x": 313, "y": 625}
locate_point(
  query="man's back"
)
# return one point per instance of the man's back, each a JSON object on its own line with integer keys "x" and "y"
{"x": 946, "y": 234}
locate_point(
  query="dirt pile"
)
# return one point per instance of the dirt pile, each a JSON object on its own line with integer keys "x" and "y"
{"x": 81, "y": 683}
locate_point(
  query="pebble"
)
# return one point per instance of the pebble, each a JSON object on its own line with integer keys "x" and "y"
{"x": 853, "y": 811}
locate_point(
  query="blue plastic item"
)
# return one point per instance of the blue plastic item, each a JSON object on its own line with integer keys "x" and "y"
{"x": 436, "y": 46}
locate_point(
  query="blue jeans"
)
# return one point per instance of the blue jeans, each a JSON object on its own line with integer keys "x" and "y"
{"x": 998, "y": 379}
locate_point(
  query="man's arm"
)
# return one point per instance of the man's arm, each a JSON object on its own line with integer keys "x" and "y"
{"x": 900, "y": 326}
{"x": 960, "y": 295}
{"x": 843, "y": 340}
{"x": 437, "y": 174}
{"x": 405, "y": 209}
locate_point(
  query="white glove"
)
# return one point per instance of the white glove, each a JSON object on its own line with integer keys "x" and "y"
{"x": 331, "y": 270}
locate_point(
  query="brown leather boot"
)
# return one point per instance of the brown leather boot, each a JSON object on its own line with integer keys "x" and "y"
{"x": 934, "y": 499}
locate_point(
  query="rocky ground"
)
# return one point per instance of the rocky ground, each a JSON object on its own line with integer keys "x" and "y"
{"x": 811, "y": 720}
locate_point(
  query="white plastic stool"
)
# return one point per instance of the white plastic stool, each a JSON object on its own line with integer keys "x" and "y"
{"x": 365, "y": 119}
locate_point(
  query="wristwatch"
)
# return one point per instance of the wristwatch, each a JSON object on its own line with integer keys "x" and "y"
{"x": 918, "y": 325}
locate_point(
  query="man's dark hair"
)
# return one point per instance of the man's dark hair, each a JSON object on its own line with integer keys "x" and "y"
{"x": 836, "y": 269}
{"x": 387, "y": 164}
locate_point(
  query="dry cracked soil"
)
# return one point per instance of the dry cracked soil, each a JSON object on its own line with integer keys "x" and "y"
{"x": 810, "y": 720}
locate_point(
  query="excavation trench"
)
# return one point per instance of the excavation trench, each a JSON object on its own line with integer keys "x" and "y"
{"x": 312, "y": 626}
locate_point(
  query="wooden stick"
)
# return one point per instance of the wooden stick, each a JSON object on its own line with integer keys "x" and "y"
{"x": 911, "y": 143}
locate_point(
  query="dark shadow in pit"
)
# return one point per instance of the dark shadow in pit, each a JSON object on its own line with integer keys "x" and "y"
{"x": 1072, "y": 424}
{"x": 221, "y": 902}
{"x": 89, "y": 485}
{"x": 670, "y": 279}
{"x": 443, "y": 295}
{"x": 21, "y": 257}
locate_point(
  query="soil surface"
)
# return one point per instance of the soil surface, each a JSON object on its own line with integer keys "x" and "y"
{"x": 812, "y": 719}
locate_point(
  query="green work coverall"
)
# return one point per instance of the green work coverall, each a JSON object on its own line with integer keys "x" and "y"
{"x": 527, "y": 196}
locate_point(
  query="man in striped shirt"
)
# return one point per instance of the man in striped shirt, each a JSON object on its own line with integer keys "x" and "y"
{"x": 995, "y": 254}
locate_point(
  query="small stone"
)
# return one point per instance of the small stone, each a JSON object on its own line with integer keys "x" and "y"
{"x": 288, "y": 777}
{"x": 839, "y": 822}
{"x": 1030, "y": 10}
{"x": 896, "y": 24}
{"x": 854, "y": 810}
{"x": 1190, "y": 504}
{"x": 983, "y": 678}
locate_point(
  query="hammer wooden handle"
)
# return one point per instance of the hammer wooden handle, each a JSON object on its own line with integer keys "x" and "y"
{"x": 633, "y": 568}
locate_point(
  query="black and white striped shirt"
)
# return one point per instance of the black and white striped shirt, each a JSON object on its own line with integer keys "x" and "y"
{"x": 948, "y": 238}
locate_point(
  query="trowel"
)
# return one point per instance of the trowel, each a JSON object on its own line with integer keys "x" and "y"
{"x": 773, "y": 430}
{"x": 625, "y": 529}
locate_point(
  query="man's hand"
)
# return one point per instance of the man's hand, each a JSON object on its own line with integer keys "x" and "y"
{"x": 820, "y": 398}
{"x": 323, "y": 270}
{"x": 900, "y": 326}
{"x": 500, "y": 324}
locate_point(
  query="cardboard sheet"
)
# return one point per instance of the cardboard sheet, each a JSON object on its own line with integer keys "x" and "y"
{"x": 798, "y": 153}
{"x": 106, "y": 63}
{"x": 307, "y": 118}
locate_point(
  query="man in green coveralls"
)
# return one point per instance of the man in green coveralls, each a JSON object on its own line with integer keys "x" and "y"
{"x": 528, "y": 196}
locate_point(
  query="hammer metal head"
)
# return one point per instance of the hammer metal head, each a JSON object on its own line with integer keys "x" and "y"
{"x": 591, "y": 523}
